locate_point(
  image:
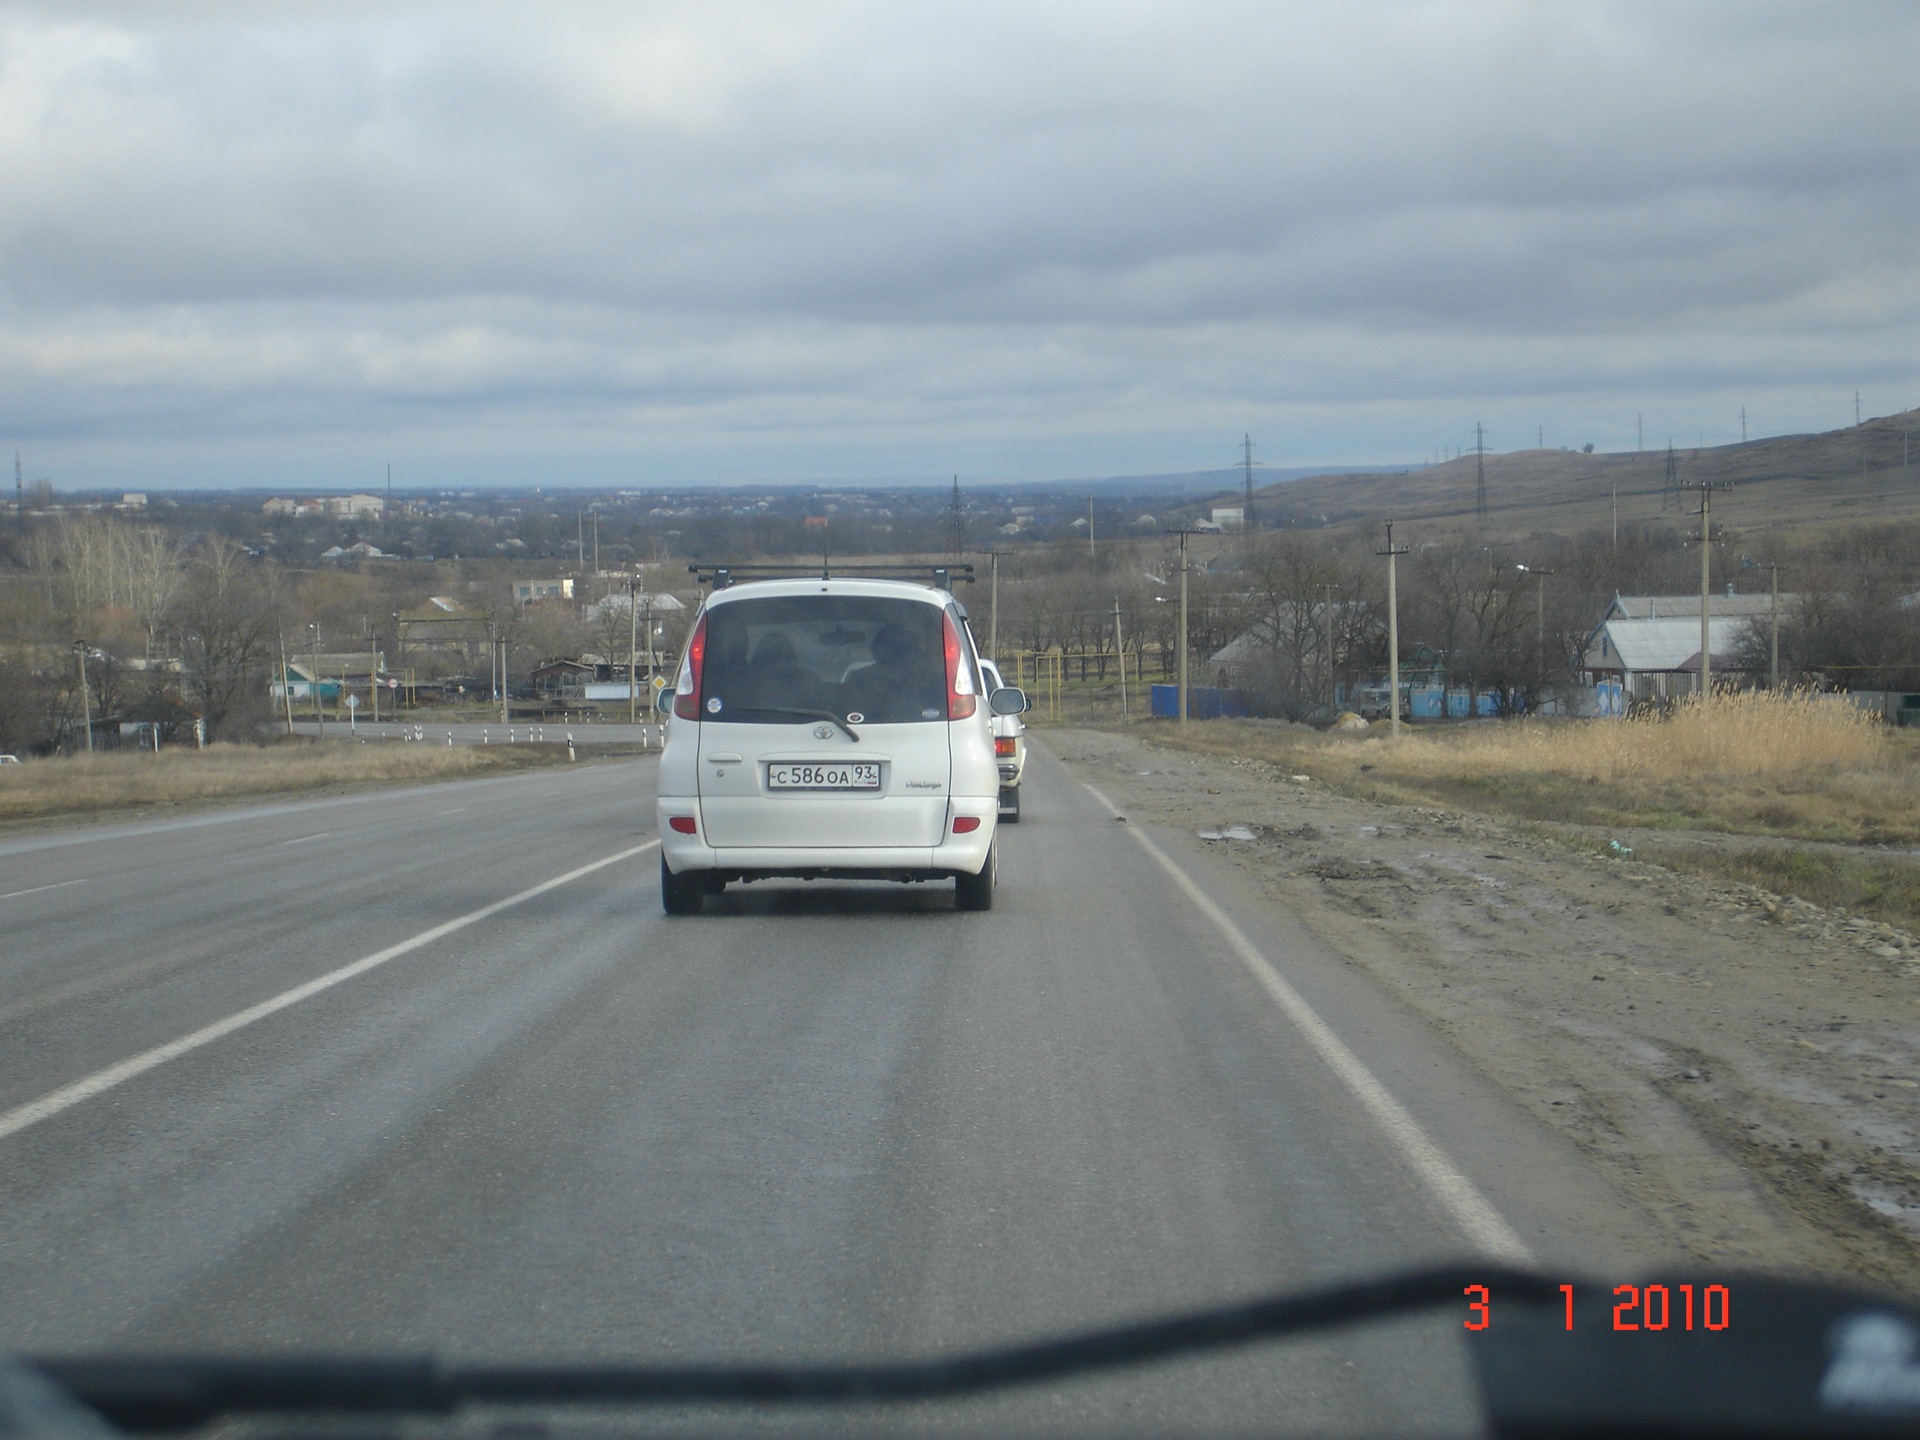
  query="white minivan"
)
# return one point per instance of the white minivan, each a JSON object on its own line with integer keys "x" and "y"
{"x": 829, "y": 728}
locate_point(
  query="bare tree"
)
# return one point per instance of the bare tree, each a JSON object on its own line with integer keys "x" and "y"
{"x": 228, "y": 614}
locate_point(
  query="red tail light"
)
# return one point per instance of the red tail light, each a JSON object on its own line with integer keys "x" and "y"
{"x": 682, "y": 825}
{"x": 961, "y": 699}
{"x": 686, "y": 692}
{"x": 1003, "y": 746}
{"x": 965, "y": 824}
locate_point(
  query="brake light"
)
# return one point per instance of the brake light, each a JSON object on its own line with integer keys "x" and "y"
{"x": 686, "y": 691}
{"x": 682, "y": 825}
{"x": 1003, "y": 745}
{"x": 961, "y": 699}
{"x": 965, "y": 824}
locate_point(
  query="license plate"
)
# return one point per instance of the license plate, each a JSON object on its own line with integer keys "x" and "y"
{"x": 856, "y": 775}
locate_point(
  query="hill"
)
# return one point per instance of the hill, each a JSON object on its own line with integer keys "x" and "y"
{"x": 1800, "y": 482}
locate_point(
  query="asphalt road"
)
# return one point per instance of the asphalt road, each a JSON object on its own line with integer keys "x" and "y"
{"x": 816, "y": 1121}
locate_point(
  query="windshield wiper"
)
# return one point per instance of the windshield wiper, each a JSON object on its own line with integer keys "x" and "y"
{"x": 175, "y": 1393}
{"x": 1781, "y": 1357}
{"x": 802, "y": 714}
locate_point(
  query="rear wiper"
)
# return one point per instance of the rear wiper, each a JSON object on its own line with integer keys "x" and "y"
{"x": 1771, "y": 1356}
{"x": 802, "y": 714}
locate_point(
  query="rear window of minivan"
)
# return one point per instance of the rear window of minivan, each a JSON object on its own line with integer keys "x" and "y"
{"x": 867, "y": 659}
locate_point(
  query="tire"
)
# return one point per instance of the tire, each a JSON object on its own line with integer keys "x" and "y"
{"x": 1010, "y": 805}
{"x": 975, "y": 892}
{"x": 681, "y": 894}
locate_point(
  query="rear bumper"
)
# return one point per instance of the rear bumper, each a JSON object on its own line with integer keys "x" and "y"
{"x": 955, "y": 855}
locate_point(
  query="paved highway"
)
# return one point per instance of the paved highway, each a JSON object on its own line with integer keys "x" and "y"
{"x": 429, "y": 1069}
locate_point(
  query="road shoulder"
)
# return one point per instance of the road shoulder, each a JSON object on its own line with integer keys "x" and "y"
{"x": 1750, "y": 1085}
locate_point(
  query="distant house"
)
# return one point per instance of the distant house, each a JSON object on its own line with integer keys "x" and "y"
{"x": 531, "y": 592}
{"x": 1228, "y": 517}
{"x": 351, "y": 672}
{"x": 445, "y": 626}
{"x": 1647, "y": 647}
{"x": 619, "y": 602}
{"x": 561, "y": 679}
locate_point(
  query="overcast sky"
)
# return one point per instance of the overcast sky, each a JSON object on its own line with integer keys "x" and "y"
{"x": 282, "y": 244}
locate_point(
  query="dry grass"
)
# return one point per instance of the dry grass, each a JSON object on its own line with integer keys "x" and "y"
{"x": 1885, "y": 889}
{"x": 93, "y": 784}
{"x": 1797, "y": 765}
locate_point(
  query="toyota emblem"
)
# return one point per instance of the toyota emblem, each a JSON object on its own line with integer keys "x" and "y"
{"x": 823, "y": 732}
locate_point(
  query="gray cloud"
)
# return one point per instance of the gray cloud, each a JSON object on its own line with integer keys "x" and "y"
{"x": 829, "y": 237}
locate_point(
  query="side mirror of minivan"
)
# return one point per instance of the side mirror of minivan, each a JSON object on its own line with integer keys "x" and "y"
{"x": 1008, "y": 700}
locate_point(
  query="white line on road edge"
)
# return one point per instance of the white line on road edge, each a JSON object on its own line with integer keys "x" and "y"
{"x": 35, "y": 890}
{"x": 67, "y": 1096}
{"x": 302, "y": 839}
{"x": 1457, "y": 1195}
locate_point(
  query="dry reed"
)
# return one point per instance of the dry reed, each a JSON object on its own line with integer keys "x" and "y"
{"x": 1790, "y": 764}
{"x": 1731, "y": 733}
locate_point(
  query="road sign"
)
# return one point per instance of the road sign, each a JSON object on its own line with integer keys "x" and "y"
{"x": 353, "y": 702}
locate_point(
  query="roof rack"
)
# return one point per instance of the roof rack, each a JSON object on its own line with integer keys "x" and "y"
{"x": 942, "y": 576}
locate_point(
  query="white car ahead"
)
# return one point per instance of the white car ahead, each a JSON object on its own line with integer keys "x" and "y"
{"x": 1009, "y": 745}
{"x": 829, "y": 729}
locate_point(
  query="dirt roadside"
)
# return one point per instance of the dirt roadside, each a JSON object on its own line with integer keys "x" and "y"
{"x": 1746, "y": 1069}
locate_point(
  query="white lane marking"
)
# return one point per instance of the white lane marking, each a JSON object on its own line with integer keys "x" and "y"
{"x": 457, "y": 810}
{"x": 13, "y": 1121}
{"x": 301, "y": 840}
{"x": 1457, "y": 1195}
{"x": 36, "y": 889}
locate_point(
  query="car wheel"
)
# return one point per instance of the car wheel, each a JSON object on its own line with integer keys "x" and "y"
{"x": 1010, "y": 805}
{"x": 975, "y": 892}
{"x": 681, "y": 894}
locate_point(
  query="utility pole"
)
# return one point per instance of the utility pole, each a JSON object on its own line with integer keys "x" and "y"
{"x": 319, "y": 720}
{"x": 1743, "y": 424}
{"x": 1183, "y": 632}
{"x": 1480, "y": 458}
{"x": 1670, "y": 492}
{"x": 86, "y": 700}
{"x": 373, "y": 667}
{"x": 1246, "y": 509}
{"x": 1328, "y": 616}
{"x": 1540, "y": 603}
{"x": 286, "y": 679}
{"x": 19, "y": 495}
{"x": 993, "y": 604}
{"x": 1393, "y": 632}
{"x": 1706, "y": 586}
{"x": 646, "y": 623}
{"x": 1773, "y": 614}
{"x": 596, "y": 541}
{"x": 580, "y": 536}
{"x": 1090, "y": 551}
{"x": 633, "y": 653}
{"x": 503, "y": 679}
{"x": 1120, "y": 649}
{"x": 1615, "y": 505}
{"x": 1639, "y": 432}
